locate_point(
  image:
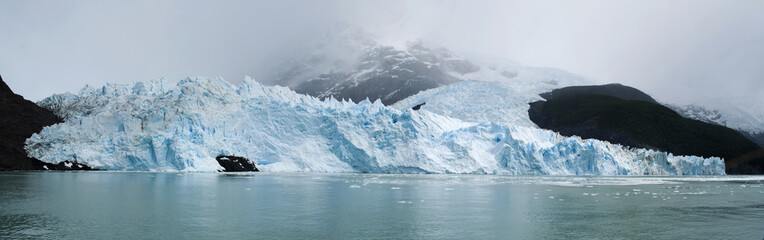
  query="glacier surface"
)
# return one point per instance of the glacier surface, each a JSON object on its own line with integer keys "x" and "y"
{"x": 159, "y": 126}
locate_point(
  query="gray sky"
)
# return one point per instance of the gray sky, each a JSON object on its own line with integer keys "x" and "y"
{"x": 675, "y": 50}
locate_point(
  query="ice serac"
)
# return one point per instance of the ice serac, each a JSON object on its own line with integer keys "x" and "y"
{"x": 157, "y": 126}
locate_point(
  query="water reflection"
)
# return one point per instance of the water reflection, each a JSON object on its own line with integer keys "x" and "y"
{"x": 275, "y": 206}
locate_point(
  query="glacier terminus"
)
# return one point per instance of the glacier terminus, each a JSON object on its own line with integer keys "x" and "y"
{"x": 160, "y": 126}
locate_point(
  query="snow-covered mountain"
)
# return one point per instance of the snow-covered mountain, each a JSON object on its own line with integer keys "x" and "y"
{"x": 351, "y": 64}
{"x": 388, "y": 73}
{"x": 698, "y": 113}
{"x": 743, "y": 115}
{"x": 160, "y": 126}
{"x": 749, "y": 120}
{"x": 366, "y": 69}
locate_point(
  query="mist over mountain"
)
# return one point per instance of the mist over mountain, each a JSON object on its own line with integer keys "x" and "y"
{"x": 385, "y": 73}
{"x": 403, "y": 52}
{"x": 355, "y": 64}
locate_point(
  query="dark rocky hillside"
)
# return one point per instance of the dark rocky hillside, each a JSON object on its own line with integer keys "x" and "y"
{"x": 758, "y": 138}
{"x": 613, "y": 90}
{"x": 627, "y": 116}
{"x": 19, "y": 119}
{"x": 714, "y": 117}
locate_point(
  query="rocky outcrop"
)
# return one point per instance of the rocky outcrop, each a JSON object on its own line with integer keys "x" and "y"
{"x": 19, "y": 119}
{"x": 66, "y": 165}
{"x": 236, "y": 164}
{"x": 418, "y": 106}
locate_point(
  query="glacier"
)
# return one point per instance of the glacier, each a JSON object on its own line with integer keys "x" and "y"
{"x": 498, "y": 92}
{"x": 160, "y": 126}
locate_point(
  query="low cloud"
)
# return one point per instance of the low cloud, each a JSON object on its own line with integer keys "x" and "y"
{"x": 680, "y": 51}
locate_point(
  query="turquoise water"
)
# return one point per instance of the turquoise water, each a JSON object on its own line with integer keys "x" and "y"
{"x": 118, "y": 205}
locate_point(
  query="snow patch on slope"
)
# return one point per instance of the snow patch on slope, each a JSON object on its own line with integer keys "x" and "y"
{"x": 727, "y": 112}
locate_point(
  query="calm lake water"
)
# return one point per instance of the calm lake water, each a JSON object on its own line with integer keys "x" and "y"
{"x": 108, "y": 205}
